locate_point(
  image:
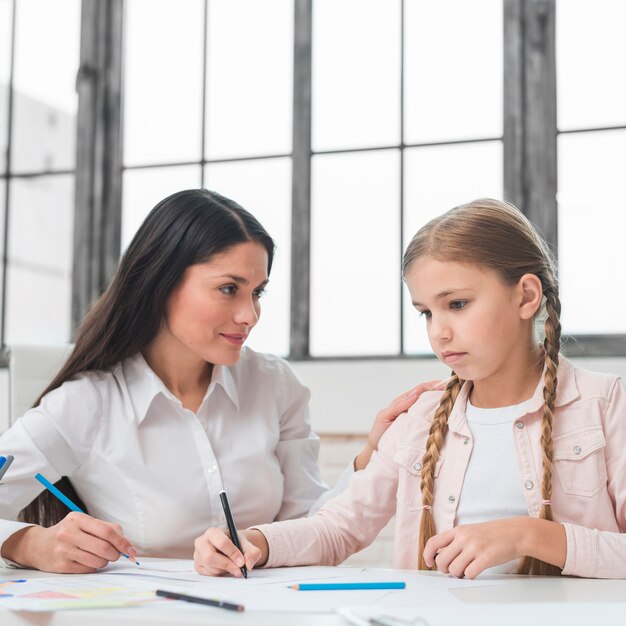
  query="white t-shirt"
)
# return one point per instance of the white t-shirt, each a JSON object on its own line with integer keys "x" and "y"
{"x": 136, "y": 456}
{"x": 492, "y": 487}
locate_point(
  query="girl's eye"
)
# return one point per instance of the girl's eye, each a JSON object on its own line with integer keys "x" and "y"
{"x": 426, "y": 314}
{"x": 457, "y": 305}
{"x": 228, "y": 290}
{"x": 259, "y": 292}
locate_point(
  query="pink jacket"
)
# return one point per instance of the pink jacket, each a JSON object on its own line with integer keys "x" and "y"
{"x": 588, "y": 484}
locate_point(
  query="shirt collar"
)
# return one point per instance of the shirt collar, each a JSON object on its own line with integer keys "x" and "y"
{"x": 566, "y": 392}
{"x": 223, "y": 376}
{"x": 144, "y": 385}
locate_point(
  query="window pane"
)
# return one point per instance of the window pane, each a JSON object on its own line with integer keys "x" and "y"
{"x": 453, "y": 70}
{"x": 436, "y": 179}
{"x": 5, "y": 73}
{"x": 163, "y": 81}
{"x": 144, "y": 189}
{"x": 45, "y": 100}
{"x": 249, "y": 78}
{"x": 356, "y": 73}
{"x": 39, "y": 276}
{"x": 592, "y": 221}
{"x": 355, "y": 261}
{"x": 591, "y": 51}
{"x": 264, "y": 188}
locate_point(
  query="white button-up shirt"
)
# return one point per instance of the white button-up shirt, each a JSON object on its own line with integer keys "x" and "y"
{"x": 136, "y": 456}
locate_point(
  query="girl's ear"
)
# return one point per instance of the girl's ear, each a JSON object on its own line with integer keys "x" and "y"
{"x": 531, "y": 292}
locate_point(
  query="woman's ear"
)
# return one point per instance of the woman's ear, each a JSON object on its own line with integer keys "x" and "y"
{"x": 531, "y": 292}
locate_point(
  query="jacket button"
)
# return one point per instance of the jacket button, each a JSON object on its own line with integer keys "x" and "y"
{"x": 577, "y": 449}
{"x": 417, "y": 467}
{"x": 465, "y": 441}
{"x": 211, "y": 468}
{"x": 528, "y": 484}
{"x": 519, "y": 425}
{"x": 451, "y": 499}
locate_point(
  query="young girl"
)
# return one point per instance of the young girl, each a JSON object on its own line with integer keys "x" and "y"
{"x": 520, "y": 463}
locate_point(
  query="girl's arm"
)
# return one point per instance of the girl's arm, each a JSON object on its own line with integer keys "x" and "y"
{"x": 593, "y": 553}
{"x": 345, "y": 525}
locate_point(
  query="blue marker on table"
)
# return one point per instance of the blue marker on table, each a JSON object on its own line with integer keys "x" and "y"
{"x": 67, "y": 502}
{"x": 343, "y": 586}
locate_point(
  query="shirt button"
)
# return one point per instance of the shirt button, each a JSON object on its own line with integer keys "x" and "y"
{"x": 528, "y": 484}
{"x": 519, "y": 425}
{"x": 451, "y": 499}
{"x": 417, "y": 467}
{"x": 465, "y": 441}
{"x": 577, "y": 449}
{"x": 211, "y": 468}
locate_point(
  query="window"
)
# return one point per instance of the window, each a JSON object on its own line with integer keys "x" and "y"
{"x": 388, "y": 113}
{"x": 38, "y": 135}
{"x": 213, "y": 109}
{"x": 591, "y": 119}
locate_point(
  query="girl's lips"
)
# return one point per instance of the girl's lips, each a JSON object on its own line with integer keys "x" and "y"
{"x": 452, "y": 357}
{"x": 236, "y": 339}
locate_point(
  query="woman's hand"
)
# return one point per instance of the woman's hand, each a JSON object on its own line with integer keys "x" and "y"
{"x": 468, "y": 550}
{"x": 387, "y": 416}
{"x": 215, "y": 554}
{"x": 78, "y": 544}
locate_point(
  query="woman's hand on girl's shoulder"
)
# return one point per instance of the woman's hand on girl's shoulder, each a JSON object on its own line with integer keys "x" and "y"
{"x": 387, "y": 416}
{"x": 78, "y": 544}
{"x": 216, "y": 555}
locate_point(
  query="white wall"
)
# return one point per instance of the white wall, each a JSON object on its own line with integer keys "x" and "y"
{"x": 346, "y": 395}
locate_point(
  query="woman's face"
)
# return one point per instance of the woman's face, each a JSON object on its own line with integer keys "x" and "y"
{"x": 212, "y": 310}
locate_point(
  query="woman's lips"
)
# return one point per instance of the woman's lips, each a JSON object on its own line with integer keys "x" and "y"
{"x": 235, "y": 338}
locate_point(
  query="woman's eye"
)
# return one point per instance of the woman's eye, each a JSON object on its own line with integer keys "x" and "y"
{"x": 426, "y": 314}
{"x": 457, "y": 305}
{"x": 228, "y": 290}
{"x": 259, "y": 292}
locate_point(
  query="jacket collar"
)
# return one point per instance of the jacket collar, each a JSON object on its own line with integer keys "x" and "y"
{"x": 566, "y": 392}
{"x": 144, "y": 385}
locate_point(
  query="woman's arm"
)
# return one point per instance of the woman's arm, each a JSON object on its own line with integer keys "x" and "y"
{"x": 54, "y": 439}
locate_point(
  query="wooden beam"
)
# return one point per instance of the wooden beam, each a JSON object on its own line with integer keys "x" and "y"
{"x": 98, "y": 216}
{"x": 530, "y": 151}
{"x": 301, "y": 181}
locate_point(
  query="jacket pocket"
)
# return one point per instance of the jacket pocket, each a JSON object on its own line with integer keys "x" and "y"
{"x": 579, "y": 461}
{"x": 409, "y": 460}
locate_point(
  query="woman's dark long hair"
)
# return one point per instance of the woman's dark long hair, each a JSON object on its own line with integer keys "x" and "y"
{"x": 185, "y": 228}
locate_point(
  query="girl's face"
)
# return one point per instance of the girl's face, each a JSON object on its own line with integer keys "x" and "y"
{"x": 216, "y": 304}
{"x": 477, "y": 325}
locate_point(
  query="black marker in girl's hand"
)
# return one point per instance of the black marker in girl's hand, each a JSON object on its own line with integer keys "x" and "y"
{"x": 232, "y": 529}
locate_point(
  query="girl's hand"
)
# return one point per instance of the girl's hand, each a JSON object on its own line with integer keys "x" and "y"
{"x": 215, "y": 554}
{"x": 78, "y": 544}
{"x": 466, "y": 551}
{"x": 387, "y": 416}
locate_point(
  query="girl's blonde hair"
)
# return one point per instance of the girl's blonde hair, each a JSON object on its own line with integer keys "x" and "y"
{"x": 495, "y": 235}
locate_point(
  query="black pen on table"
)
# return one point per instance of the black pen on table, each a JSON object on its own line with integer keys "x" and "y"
{"x": 232, "y": 529}
{"x": 220, "y": 604}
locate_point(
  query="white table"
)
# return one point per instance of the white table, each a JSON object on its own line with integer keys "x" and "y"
{"x": 523, "y": 601}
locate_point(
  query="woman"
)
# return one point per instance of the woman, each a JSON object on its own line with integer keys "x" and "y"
{"x": 160, "y": 406}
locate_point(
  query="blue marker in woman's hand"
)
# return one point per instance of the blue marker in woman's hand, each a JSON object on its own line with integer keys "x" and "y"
{"x": 68, "y": 503}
